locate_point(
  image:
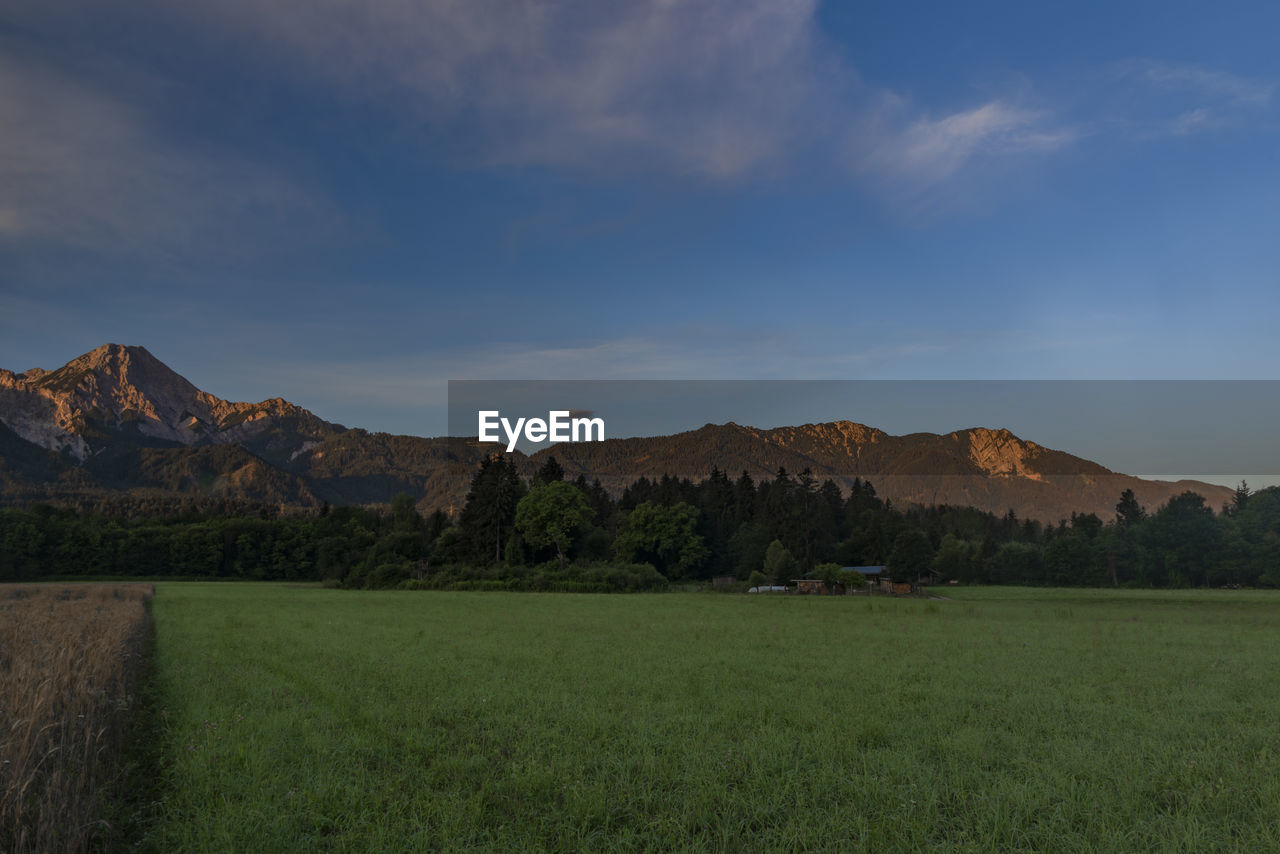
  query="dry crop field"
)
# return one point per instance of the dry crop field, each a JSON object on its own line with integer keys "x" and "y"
{"x": 69, "y": 658}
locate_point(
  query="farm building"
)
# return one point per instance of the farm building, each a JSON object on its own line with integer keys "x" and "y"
{"x": 817, "y": 587}
{"x": 871, "y": 573}
{"x": 877, "y": 578}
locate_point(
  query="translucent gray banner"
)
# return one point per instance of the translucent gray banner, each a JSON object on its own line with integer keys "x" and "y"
{"x": 1218, "y": 431}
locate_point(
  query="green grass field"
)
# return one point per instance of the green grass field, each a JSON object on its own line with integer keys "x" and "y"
{"x": 295, "y": 718}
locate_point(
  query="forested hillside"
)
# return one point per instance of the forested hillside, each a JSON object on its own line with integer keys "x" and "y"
{"x": 547, "y": 532}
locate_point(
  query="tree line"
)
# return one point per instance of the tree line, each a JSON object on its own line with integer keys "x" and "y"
{"x": 549, "y": 533}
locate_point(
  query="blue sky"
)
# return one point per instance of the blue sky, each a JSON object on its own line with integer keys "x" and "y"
{"x": 348, "y": 205}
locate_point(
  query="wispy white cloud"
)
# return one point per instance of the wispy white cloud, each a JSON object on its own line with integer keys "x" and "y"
{"x": 1219, "y": 86}
{"x": 921, "y": 151}
{"x": 82, "y": 166}
{"x": 710, "y": 87}
{"x": 1191, "y": 121}
{"x": 713, "y": 89}
{"x": 1160, "y": 98}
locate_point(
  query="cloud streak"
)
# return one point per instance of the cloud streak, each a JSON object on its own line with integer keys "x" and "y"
{"x": 714, "y": 91}
{"x": 1179, "y": 99}
{"x": 717, "y": 90}
{"x": 713, "y": 88}
{"x": 81, "y": 166}
{"x": 1214, "y": 85}
{"x": 919, "y": 152}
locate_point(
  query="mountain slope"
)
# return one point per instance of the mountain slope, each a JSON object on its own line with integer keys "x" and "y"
{"x": 990, "y": 469}
{"x": 118, "y": 420}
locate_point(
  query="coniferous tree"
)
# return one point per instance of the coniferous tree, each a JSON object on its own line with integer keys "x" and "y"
{"x": 489, "y": 514}
{"x": 744, "y": 496}
{"x": 1128, "y": 511}
{"x": 550, "y": 472}
{"x": 1238, "y": 500}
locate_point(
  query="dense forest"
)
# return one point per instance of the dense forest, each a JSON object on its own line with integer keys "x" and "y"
{"x": 548, "y": 533}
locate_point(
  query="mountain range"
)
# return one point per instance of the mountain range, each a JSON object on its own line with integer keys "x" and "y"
{"x": 118, "y": 422}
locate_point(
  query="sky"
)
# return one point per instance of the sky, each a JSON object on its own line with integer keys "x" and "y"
{"x": 350, "y": 204}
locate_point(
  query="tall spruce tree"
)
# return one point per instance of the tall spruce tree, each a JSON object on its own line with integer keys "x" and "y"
{"x": 1128, "y": 511}
{"x": 550, "y": 472}
{"x": 1238, "y": 500}
{"x": 489, "y": 514}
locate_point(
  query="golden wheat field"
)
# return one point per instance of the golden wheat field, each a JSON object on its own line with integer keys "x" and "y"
{"x": 69, "y": 657}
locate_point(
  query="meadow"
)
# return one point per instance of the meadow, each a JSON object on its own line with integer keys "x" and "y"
{"x": 296, "y": 718}
{"x": 70, "y": 659}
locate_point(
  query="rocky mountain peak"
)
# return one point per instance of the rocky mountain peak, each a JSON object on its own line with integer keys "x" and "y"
{"x": 117, "y": 379}
{"x": 1000, "y": 453}
{"x": 127, "y": 388}
{"x": 856, "y": 433}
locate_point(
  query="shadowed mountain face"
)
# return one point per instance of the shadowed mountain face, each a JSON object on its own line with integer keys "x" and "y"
{"x": 992, "y": 470}
{"x": 118, "y": 420}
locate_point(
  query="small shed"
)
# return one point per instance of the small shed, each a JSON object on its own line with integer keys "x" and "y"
{"x": 724, "y": 581}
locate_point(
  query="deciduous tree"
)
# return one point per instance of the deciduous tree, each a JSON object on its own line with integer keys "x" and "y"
{"x": 552, "y": 514}
{"x": 664, "y": 536}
